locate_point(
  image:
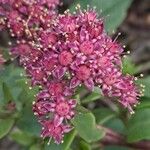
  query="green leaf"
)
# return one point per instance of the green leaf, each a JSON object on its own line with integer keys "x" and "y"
{"x": 5, "y": 126}
{"x": 86, "y": 127}
{"x": 68, "y": 140}
{"x": 7, "y": 93}
{"x": 53, "y": 146}
{"x": 5, "y": 52}
{"x": 83, "y": 4}
{"x": 146, "y": 82}
{"x": 22, "y": 138}
{"x": 13, "y": 87}
{"x": 77, "y": 98}
{"x": 81, "y": 109}
{"x": 28, "y": 122}
{"x": 95, "y": 95}
{"x": 144, "y": 103}
{"x": 84, "y": 145}
{"x": 27, "y": 95}
{"x": 35, "y": 147}
{"x": 128, "y": 66}
{"x": 139, "y": 125}
{"x": 9, "y": 76}
{"x": 116, "y": 9}
{"x": 103, "y": 115}
{"x": 116, "y": 124}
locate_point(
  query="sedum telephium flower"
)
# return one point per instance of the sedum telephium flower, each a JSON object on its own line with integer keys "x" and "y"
{"x": 57, "y": 132}
{"x": 62, "y": 52}
{"x": 25, "y": 18}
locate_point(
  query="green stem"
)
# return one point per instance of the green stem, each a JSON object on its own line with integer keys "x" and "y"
{"x": 70, "y": 140}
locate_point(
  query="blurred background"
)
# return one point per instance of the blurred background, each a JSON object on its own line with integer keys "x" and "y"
{"x": 132, "y": 19}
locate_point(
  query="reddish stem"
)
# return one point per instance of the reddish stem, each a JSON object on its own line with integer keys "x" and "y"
{"x": 114, "y": 138}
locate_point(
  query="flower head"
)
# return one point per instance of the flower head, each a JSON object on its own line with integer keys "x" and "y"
{"x": 25, "y": 18}
{"x": 128, "y": 92}
{"x": 63, "y": 52}
{"x": 62, "y": 109}
{"x": 55, "y": 132}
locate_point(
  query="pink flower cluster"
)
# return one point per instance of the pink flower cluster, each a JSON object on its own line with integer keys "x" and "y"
{"x": 62, "y": 52}
{"x": 25, "y": 18}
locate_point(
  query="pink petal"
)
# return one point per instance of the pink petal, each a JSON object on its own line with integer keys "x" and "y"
{"x": 59, "y": 72}
{"x": 43, "y": 94}
{"x": 68, "y": 117}
{"x": 83, "y": 35}
{"x": 58, "y": 120}
{"x": 67, "y": 128}
{"x": 60, "y": 98}
{"x": 89, "y": 84}
{"x": 50, "y": 106}
{"x": 116, "y": 93}
{"x": 71, "y": 115}
{"x": 45, "y": 133}
{"x": 72, "y": 103}
{"x": 58, "y": 139}
{"x": 74, "y": 82}
{"x": 68, "y": 91}
{"x": 73, "y": 66}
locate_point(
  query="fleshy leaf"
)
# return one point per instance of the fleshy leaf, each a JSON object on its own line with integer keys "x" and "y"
{"x": 22, "y": 138}
{"x": 138, "y": 127}
{"x": 5, "y": 126}
{"x": 116, "y": 9}
{"x": 86, "y": 127}
{"x": 7, "y": 93}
